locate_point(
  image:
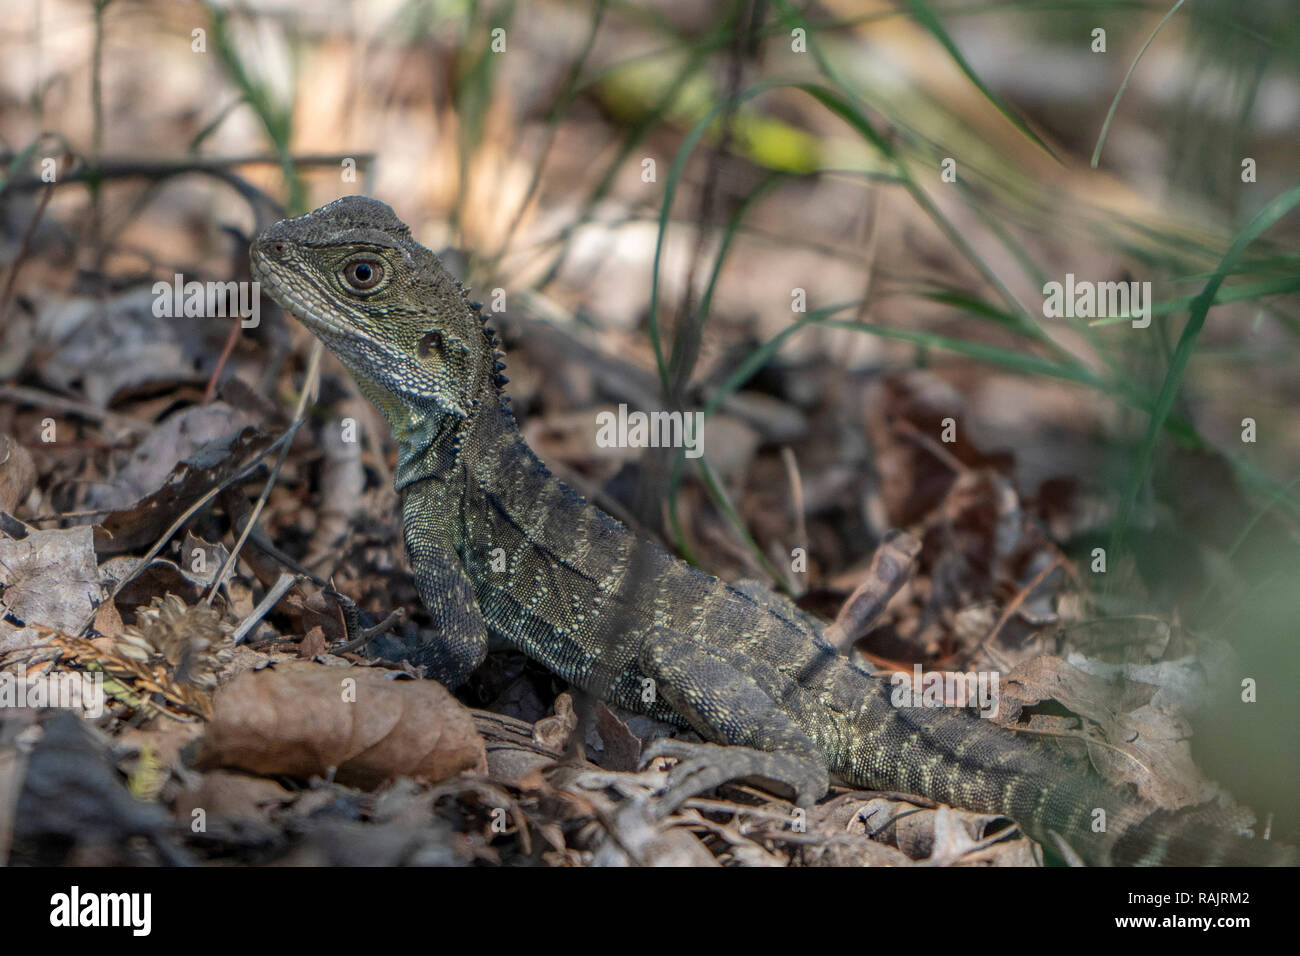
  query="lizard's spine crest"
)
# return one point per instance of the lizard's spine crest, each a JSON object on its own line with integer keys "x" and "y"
{"x": 494, "y": 343}
{"x": 498, "y": 359}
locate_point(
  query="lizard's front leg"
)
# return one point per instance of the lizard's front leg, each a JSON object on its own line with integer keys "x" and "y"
{"x": 727, "y": 707}
{"x": 461, "y": 642}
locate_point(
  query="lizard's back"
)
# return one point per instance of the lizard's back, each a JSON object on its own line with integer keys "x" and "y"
{"x": 581, "y": 591}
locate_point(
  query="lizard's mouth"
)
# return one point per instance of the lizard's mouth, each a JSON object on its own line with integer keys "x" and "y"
{"x": 287, "y": 298}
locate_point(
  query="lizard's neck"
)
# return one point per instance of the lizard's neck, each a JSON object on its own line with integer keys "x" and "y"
{"x": 430, "y": 441}
{"x": 420, "y": 437}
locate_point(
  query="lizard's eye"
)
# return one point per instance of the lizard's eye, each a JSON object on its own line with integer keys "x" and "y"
{"x": 363, "y": 274}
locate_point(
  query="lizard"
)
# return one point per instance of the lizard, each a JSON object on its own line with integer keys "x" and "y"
{"x": 619, "y": 617}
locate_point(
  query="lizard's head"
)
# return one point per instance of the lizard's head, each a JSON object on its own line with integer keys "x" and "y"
{"x": 381, "y": 302}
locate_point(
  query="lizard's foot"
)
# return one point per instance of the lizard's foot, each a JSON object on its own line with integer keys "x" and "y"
{"x": 723, "y": 697}
{"x": 703, "y": 767}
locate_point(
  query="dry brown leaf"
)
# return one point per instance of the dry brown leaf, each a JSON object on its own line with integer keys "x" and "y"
{"x": 17, "y": 474}
{"x": 48, "y": 578}
{"x": 305, "y": 720}
{"x": 1141, "y": 738}
{"x": 313, "y": 644}
{"x": 622, "y": 747}
{"x": 179, "y": 437}
{"x": 554, "y": 732}
{"x": 231, "y": 796}
{"x": 139, "y": 523}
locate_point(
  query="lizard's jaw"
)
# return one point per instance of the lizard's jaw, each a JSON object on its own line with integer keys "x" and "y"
{"x": 385, "y": 372}
{"x": 341, "y": 337}
{"x": 292, "y": 300}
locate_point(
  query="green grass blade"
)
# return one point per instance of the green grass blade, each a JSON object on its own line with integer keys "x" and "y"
{"x": 1200, "y": 308}
{"x": 1236, "y": 293}
{"x": 925, "y": 15}
{"x": 1114, "y": 104}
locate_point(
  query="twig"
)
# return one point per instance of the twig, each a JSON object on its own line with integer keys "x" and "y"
{"x": 1014, "y": 604}
{"x": 134, "y": 168}
{"x": 796, "y": 496}
{"x": 367, "y": 635}
{"x": 277, "y": 591}
{"x": 39, "y": 397}
{"x": 553, "y": 120}
{"x": 22, "y": 250}
{"x": 299, "y": 416}
{"x": 933, "y": 447}
{"x": 210, "y": 392}
{"x": 97, "y": 136}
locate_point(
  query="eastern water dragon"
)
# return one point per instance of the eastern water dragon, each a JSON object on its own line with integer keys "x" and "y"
{"x": 500, "y": 547}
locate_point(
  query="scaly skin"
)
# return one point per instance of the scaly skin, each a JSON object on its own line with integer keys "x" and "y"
{"x": 616, "y": 614}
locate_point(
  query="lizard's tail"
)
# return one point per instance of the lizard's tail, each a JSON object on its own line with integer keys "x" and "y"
{"x": 962, "y": 760}
{"x": 1135, "y": 833}
{"x": 1195, "y": 836}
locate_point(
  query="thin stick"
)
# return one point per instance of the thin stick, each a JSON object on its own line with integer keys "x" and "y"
{"x": 796, "y": 502}
{"x": 40, "y": 397}
{"x": 278, "y": 590}
{"x": 22, "y": 251}
{"x": 366, "y": 635}
{"x": 299, "y": 415}
{"x": 210, "y": 392}
{"x": 1014, "y": 604}
{"x": 133, "y": 168}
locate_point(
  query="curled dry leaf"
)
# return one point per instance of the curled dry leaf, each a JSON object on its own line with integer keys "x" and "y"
{"x": 554, "y": 732}
{"x": 137, "y": 524}
{"x": 180, "y": 437}
{"x": 1135, "y": 733}
{"x": 305, "y": 720}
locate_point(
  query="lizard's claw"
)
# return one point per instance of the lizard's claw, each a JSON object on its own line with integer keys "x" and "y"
{"x": 703, "y": 767}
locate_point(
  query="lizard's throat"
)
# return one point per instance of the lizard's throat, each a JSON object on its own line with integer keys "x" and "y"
{"x": 420, "y": 432}
{"x": 429, "y": 437}
{"x": 426, "y": 444}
